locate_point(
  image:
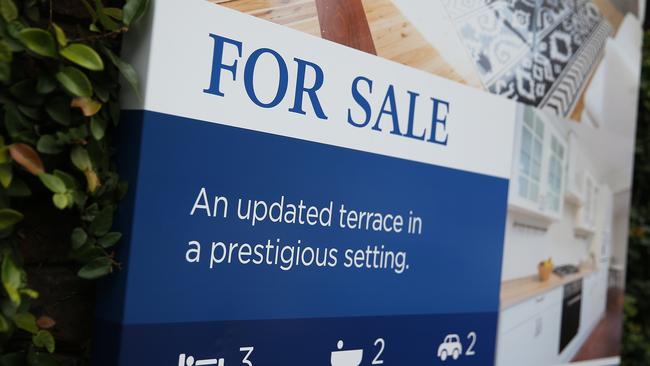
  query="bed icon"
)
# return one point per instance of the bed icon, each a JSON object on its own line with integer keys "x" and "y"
{"x": 346, "y": 358}
{"x": 185, "y": 360}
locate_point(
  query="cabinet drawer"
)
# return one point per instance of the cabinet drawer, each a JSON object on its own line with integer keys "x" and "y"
{"x": 533, "y": 342}
{"x": 518, "y": 314}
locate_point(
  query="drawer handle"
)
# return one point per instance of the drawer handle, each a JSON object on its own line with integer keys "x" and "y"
{"x": 539, "y": 326}
{"x": 540, "y": 299}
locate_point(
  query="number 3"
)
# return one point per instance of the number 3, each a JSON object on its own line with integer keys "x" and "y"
{"x": 249, "y": 351}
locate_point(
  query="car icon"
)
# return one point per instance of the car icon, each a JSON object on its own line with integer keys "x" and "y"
{"x": 450, "y": 347}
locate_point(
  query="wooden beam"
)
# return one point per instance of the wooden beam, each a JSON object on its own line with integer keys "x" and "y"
{"x": 345, "y": 22}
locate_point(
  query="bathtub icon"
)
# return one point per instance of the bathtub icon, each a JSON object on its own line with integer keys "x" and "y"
{"x": 346, "y": 358}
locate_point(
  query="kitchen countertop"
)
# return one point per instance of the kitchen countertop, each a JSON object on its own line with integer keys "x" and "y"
{"x": 521, "y": 289}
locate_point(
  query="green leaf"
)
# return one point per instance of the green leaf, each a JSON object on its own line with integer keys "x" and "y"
{"x": 80, "y": 158}
{"x": 4, "y": 325}
{"x": 60, "y": 35}
{"x": 60, "y": 200}
{"x": 53, "y": 183}
{"x": 114, "y": 111}
{"x": 44, "y": 339}
{"x": 75, "y": 81}
{"x": 103, "y": 18}
{"x": 31, "y": 112}
{"x": 102, "y": 222}
{"x": 97, "y": 127}
{"x": 6, "y": 55}
{"x": 89, "y": 9}
{"x": 38, "y": 41}
{"x": 11, "y": 278}
{"x": 26, "y": 321}
{"x": 87, "y": 253}
{"x": 69, "y": 181}
{"x": 33, "y": 13}
{"x": 97, "y": 268}
{"x": 13, "y": 359}
{"x": 102, "y": 93}
{"x": 25, "y": 92}
{"x": 127, "y": 71}
{"x": 78, "y": 238}
{"x": 40, "y": 359}
{"x": 5, "y": 72}
{"x": 115, "y": 13}
{"x": 109, "y": 239}
{"x": 84, "y": 56}
{"x": 46, "y": 84}
{"x": 14, "y": 28}
{"x": 58, "y": 109}
{"x": 78, "y": 133}
{"x": 48, "y": 144}
{"x": 8, "y": 10}
{"x": 29, "y": 293}
{"x": 133, "y": 11}
{"x": 9, "y": 217}
{"x": 6, "y": 175}
{"x": 18, "y": 188}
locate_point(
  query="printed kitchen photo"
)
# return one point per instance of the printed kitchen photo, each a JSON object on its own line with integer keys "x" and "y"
{"x": 565, "y": 243}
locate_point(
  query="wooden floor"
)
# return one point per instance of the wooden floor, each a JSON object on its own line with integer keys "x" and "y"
{"x": 397, "y": 39}
{"x": 605, "y": 340}
{"x": 297, "y": 14}
{"x": 347, "y": 22}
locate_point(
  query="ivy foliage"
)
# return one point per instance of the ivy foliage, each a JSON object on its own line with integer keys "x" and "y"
{"x": 59, "y": 99}
{"x": 636, "y": 336}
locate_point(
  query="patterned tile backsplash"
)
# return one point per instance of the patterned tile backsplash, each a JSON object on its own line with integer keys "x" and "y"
{"x": 539, "y": 52}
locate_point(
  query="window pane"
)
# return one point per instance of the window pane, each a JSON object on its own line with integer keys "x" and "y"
{"x": 534, "y": 191}
{"x": 528, "y": 117}
{"x": 526, "y": 140}
{"x": 539, "y": 128}
{"x": 524, "y": 164}
{"x": 523, "y": 187}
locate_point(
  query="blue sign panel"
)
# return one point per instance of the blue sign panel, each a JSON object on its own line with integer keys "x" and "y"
{"x": 211, "y": 282}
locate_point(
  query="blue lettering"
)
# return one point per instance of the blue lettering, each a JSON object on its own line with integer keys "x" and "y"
{"x": 390, "y": 101}
{"x": 361, "y": 101}
{"x": 218, "y": 65}
{"x": 439, "y": 120}
{"x": 409, "y": 128}
{"x": 311, "y": 92}
{"x": 249, "y": 73}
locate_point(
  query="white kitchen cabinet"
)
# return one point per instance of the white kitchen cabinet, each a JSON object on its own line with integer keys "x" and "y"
{"x": 575, "y": 170}
{"x": 529, "y": 332}
{"x": 534, "y": 342}
{"x": 539, "y": 168}
{"x": 588, "y": 310}
{"x": 594, "y": 301}
{"x": 601, "y": 244}
{"x": 586, "y": 220}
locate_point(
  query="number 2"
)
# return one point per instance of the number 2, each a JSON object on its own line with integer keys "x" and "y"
{"x": 470, "y": 350}
{"x": 382, "y": 344}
